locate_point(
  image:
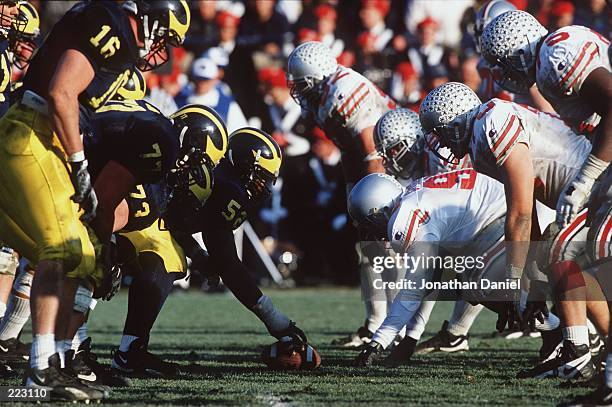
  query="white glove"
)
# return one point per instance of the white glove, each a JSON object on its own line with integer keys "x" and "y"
{"x": 577, "y": 193}
{"x": 8, "y": 261}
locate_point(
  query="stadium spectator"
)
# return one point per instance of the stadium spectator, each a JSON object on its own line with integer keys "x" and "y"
{"x": 561, "y": 15}
{"x": 209, "y": 90}
{"x": 372, "y": 63}
{"x": 435, "y": 75}
{"x": 406, "y": 87}
{"x": 204, "y": 31}
{"x": 372, "y": 15}
{"x": 427, "y": 52}
{"x": 326, "y": 28}
{"x": 593, "y": 14}
{"x": 447, "y": 13}
{"x": 263, "y": 28}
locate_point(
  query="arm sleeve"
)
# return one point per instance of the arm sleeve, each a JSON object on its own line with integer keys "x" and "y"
{"x": 502, "y": 130}
{"x": 224, "y": 259}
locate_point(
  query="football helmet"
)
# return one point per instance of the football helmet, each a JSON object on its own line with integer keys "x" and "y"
{"x": 371, "y": 203}
{"x": 487, "y": 13}
{"x": 447, "y": 114}
{"x": 8, "y": 12}
{"x": 204, "y": 140}
{"x": 160, "y": 23}
{"x": 257, "y": 158}
{"x": 22, "y": 36}
{"x": 135, "y": 88}
{"x": 398, "y": 137}
{"x": 509, "y": 44}
{"x": 308, "y": 66}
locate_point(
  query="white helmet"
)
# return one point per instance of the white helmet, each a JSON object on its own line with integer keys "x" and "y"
{"x": 448, "y": 113}
{"x": 307, "y": 66}
{"x": 398, "y": 139}
{"x": 510, "y": 42}
{"x": 487, "y": 13}
{"x": 371, "y": 203}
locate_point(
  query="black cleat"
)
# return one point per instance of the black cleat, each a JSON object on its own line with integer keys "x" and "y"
{"x": 87, "y": 368}
{"x": 567, "y": 362}
{"x": 7, "y": 372}
{"x": 139, "y": 362}
{"x": 62, "y": 386}
{"x": 444, "y": 341}
{"x": 597, "y": 345}
{"x": 600, "y": 397}
{"x": 13, "y": 350}
{"x": 550, "y": 341}
{"x": 402, "y": 352}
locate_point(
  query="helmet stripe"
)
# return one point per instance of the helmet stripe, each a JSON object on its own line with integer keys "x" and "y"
{"x": 208, "y": 114}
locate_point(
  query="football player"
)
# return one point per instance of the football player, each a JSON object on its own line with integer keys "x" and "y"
{"x": 346, "y": 106}
{"x": 149, "y": 249}
{"x": 571, "y": 67}
{"x": 461, "y": 211}
{"x": 399, "y": 140}
{"x": 243, "y": 180}
{"x": 535, "y": 155}
{"x": 89, "y": 53}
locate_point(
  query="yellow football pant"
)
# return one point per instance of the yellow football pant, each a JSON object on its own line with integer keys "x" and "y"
{"x": 37, "y": 217}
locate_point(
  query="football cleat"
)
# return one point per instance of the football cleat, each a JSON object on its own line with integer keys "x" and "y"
{"x": 602, "y": 396}
{"x": 139, "y": 362}
{"x": 444, "y": 341}
{"x": 402, "y": 352}
{"x": 597, "y": 345}
{"x": 86, "y": 367}
{"x": 6, "y": 371}
{"x": 551, "y": 340}
{"x": 356, "y": 340}
{"x": 567, "y": 362}
{"x": 61, "y": 385}
{"x": 369, "y": 354}
{"x": 14, "y": 350}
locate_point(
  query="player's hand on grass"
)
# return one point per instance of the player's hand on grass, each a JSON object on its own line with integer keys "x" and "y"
{"x": 536, "y": 308}
{"x": 84, "y": 194}
{"x": 299, "y": 337}
{"x": 510, "y": 315}
{"x": 368, "y": 355}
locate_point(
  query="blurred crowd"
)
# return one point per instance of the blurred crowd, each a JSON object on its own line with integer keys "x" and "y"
{"x": 233, "y": 60}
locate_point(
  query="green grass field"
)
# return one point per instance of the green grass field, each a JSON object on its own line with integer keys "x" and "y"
{"x": 217, "y": 342}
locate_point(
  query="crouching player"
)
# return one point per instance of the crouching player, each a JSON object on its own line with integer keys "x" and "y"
{"x": 460, "y": 211}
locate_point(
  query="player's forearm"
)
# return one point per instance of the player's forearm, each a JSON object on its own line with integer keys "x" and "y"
{"x": 602, "y": 147}
{"x": 64, "y": 112}
{"x": 517, "y": 232}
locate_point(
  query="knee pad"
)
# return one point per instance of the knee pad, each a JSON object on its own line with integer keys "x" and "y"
{"x": 23, "y": 283}
{"x": 9, "y": 261}
{"x": 82, "y": 299}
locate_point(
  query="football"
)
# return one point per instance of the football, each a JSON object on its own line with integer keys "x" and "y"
{"x": 310, "y": 358}
{"x": 282, "y": 355}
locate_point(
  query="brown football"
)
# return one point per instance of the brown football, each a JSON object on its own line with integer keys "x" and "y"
{"x": 310, "y": 358}
{"x": 279, "y": 356}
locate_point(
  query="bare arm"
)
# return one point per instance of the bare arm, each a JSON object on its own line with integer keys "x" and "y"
{"x": 372, "y": 162}
{"x": 539, "y": 101}
{"x": 72, "y": 76}
{"x": 596, "y": 91}
{"x": 517, "y": 174}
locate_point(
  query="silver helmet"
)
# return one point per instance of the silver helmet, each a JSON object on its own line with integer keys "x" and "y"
{"x": 509, "y": 43}
{"x": 398, "y": 139}
{"x": 307, "y": 66}
{"x": 487, "y": 13}
{"x": 448, "y": 113}
{"x": 371, "y": 203}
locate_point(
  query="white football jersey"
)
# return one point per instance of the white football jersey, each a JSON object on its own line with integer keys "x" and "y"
{"x": 565, "y": 60}
{"x": 352, "y": 102}
{"x": 557, "y": 153}
{"x": 450, "y": 207}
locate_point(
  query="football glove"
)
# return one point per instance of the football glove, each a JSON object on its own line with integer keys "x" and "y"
{"x": 199, "y": 263}
{"x": 511, "y": 314}
{"x": 577, "y": 193}
{"x": 536, "y": 308}
{"x": 368, "y": 355}
{"x": 84, "y": 194}
{"x": 299, "y": 337}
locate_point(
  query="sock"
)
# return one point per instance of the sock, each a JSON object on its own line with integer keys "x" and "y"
{"x": 592, "y": 329}
{"x": 79, "y": 337}
{"x": 60, "y": 349}
{"x": 577, "y": 334}
{"x": 464, "y": 315}
{"x": 416, "y": 326}
{"x": 2, "y": 309}
{"x": 609, "y": 370}
{"x": 126, "y": 341}
{"x": 272, "y": 318}
{"x": 43, "y": 347}
{"x": 67, "y": 345}
{"x": 15, "y": 318}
